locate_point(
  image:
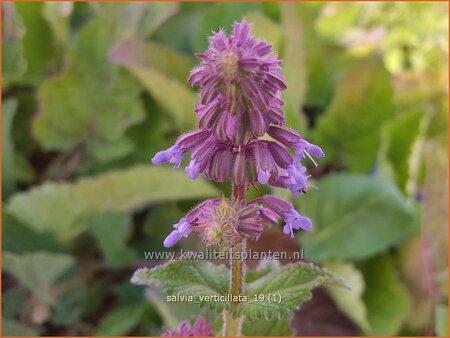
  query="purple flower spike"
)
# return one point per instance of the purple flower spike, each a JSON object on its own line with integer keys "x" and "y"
{"x": 182, "y": 229}
{"x": 199, "y": 329}
{"x": 240, "y": 81}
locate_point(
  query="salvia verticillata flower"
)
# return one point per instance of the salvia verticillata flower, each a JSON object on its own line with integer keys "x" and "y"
{"x": 199, "y": 329}
{"x": 240, "y": 84}
{"x": 241, "y": 138}
{"x": 224, "y": 222}
{"x": 240, "y": 101}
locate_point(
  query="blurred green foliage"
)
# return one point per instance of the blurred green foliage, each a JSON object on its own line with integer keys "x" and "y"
{"x": 91, "y": 91}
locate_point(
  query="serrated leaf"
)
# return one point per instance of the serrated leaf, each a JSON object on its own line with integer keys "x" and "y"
{"x": 37, "y": 271}
{"x": 188, "y": 278}
{"x": 290, "y": 285}
{"x": 362, "y": 103}
{"x": 350, "y": 301}
{"x": 59, "y": 208}
{"x": 355, "y": 217}
{"x": 385, "y": 296}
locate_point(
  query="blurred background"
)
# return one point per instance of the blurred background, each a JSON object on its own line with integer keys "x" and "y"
{"x": 90, "y": 91}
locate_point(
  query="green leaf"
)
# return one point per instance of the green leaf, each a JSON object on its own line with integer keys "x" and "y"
{"x": 188, "y": 278}
{"x": 294, "y": 66}
{"x": 400, "y": 136}
{"x": 97, "y": 122}
{"x": 37, "y": 34}
{"x": 13, "y": 62}
{"x": 267, "y": 328}
{"x": 283, "y": 290}
{"x": 120, "y": 321}
{"x": 350, "y": 301}
{"x": 361, "y": 104}
{"x": 8, "y": 179}
{"x": 264, "y": 267}
{"x": 385, "y": 296}
{"x": 160, "y": 77}
{"x": 13, "y": 328}
{"x": 111, "y": 232}
{"x": 442, "y": 320}
{"x": 22, "y": 238}
{"x": 148, "y": 54}
{"x": 355, "y": 217}
{"x": 37, "y": 271}
{"x": 59, "y": 208}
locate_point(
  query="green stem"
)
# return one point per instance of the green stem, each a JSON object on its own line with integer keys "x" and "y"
{"x": 232, "y": 326}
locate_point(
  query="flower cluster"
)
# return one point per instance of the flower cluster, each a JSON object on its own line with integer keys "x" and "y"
{"x": 199, "y": 329}
{"x": 240, "y": 102}
{"x": 224, "y": 222}
{"x": 242, "y": 138}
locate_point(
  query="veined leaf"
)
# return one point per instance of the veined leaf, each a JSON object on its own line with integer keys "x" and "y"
{"x": 283, "y": 290}
{"x": 188, "y": 278}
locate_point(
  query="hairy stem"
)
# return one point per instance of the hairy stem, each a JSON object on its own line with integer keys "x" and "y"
{"x": 232, "y": 326}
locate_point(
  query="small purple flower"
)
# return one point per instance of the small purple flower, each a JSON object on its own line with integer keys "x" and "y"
{"x": 274, "y": 207}
{"x": 172, "y": 155}
{"x": 199, "y": 329}
{"x": 183, "y": 144}
{"x": 220, "y": 222}
{"x": 292, "y": 139}
{"x": 182, "y": 229}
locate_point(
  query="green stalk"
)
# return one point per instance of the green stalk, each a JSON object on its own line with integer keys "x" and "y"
{"x": 232, "y": 326}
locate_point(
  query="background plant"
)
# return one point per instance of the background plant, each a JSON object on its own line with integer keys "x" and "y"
{"x": 365, "y": 81}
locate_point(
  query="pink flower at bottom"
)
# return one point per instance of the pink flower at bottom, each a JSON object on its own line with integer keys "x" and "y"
{"x": 199, "y": 329}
